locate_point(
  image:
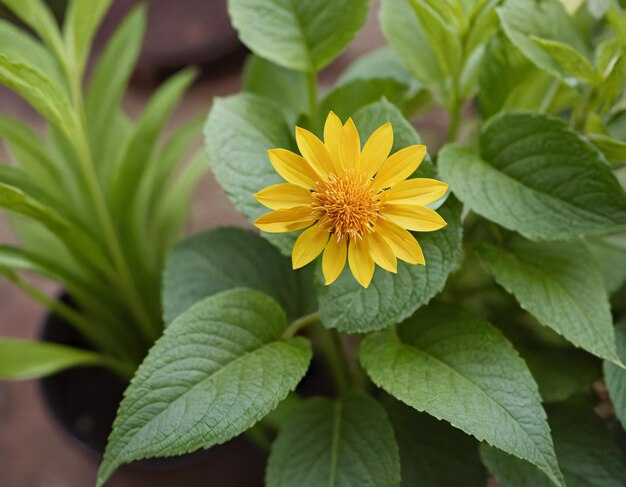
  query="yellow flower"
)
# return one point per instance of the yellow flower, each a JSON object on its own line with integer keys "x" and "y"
{"x": 357, "y": 204}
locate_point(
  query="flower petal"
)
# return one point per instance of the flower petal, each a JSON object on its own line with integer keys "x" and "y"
{"x": 309, "y": 245}
{"x": 399, "y": 166}
{"x": 350, "y": 146}
{"x": 283, "y": 195}
{"x": 403, "y": 244}
{"x": 376, "y": 150}
{"x": 361, "y": 263}
{"x": 294, "y": 168}
{"x": 332, "y": 135}
{"x": 334, "y": 259}
{"x": 414, "y": 218}
{"x": 418, "y": 191}
{"x": 314, "y": 151}
{"x": 287, "y": 220}
{"x": 381, "y": 252}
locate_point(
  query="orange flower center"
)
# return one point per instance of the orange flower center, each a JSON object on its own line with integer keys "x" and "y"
{"x": 345, "y": 205}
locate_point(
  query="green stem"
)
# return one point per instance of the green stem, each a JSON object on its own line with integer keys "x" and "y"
{"x": 311, "y": 84}
{"x": 455, "y": 119}
{"x": 300, "y": 323}
{"x": 331, "y": 347}
{"x": 126, "y": 370}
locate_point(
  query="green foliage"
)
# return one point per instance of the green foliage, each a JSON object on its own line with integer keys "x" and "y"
{"x": 344, "y": 442}
{"x": 587, "y": 454}
{"x": 217, "y": 370}
{"x": 512, "y": 182}
{"x": 459, "y": 368}
{"x": 616, "y": 376}
{"x": 303, "y": 35}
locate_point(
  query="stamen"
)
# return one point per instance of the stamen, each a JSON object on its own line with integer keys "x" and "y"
{"x": 345, "y": 205}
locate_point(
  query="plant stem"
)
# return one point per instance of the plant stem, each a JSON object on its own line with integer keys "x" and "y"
{"x": 455, "y": 119}
{"x": 311, "y": 84}
{"x": 331, "y": 347}
{"x": 300, "y": 323}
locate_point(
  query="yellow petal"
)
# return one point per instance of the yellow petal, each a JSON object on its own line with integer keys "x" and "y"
{"x": 334, "y": 259}
{"x": 314, "y": 151}
{"x": 284, "y": 195}
{"x": 381, "y": 252}
{"x": 332, "y": 134}
{"x": 350, "y": 146}
{"x": 287, "y": 220}
{"x": 418, "y": 191}
{"x": 376, "y": 150}
{"x": 399, "y": 166}
{"x": 414, "y": 218}
{"x": 361, "y": 263}
{"x": 403, "y": 244}
{"x": 293, "y": 168}
{"x": 309, "y": 245}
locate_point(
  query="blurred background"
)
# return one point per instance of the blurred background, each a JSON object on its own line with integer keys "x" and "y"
{"x": 33, "y": 450}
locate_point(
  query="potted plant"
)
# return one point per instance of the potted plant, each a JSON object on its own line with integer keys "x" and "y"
{"x": 97, "y": 201}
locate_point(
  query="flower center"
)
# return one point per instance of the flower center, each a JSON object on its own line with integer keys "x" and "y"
{"x": 345, "y": 205}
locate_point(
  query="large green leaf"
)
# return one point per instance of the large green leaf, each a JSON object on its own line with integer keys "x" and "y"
{"x": 304, "y": 35}
{"x": 609, "y": 253}
{"x": 615, "y": 376}
{"x": 390, "y": 298}
{"x": 459, "y": 368}
{"x": 537, "y": 177}
{"x": 587, "y": 454}
{"x": 238, "y": 133}
{"x": 380, "y": 63}
{"x": 24, "y": 359}
{"x": 216, "y": 371}
{"x": 224, "y": 258}
{"x": 281, "y": 85}
{"x": 433, "y": 453}
{"x": 544, "y": 21}
{"x": 339, "y": 443}
{"x": 560, "y": 285}
{"x": 407, "y": 38}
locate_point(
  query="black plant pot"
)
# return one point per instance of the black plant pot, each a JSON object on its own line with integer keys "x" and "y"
{"x": 83, "y": 403}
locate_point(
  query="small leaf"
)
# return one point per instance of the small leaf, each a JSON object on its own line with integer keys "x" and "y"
{"x": 614, "y": 150}
{"x": 224, "y": 258}
{"x": 216, "y": 371}
{"x": 609, "y": 253}
{"x": 23, "y": 359}
{"x": 303, "y": 35}
{"x": 560, "y": 285}
{"x": 568, "y": 60}
{"x": 587, "y": 454}
{"x": 615, "y": 376}
{"x": 459, "y": 368}
{"x": 433, "y": 453}
{"x": 339, "y": 443}
{"x": 537, "y": 177}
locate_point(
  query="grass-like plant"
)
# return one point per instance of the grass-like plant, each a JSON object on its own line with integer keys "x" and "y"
{"x": 96, "y": 200}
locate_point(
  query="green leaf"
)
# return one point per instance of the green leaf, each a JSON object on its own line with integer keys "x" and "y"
{"x": 37, "y": 15}
{"x": 459, "y": 368}
{"x": 238, "y": 133}
{"x": 614, "y": 150}
{"x": 559, "y": 284}
{"x": 536, "y": 177}
{"x": 442, "y": 38}
{"x": 615, "y": 376}
{"x": 283, "y": 86}
{"x": 110, "y": 78}
{"x": 587, "y": 454}
{"x": 609, "y": 254}
{"x": 338, "y": 443}
{"x": 547, "y": 20}
{"x": 138, "y": 154}
{"x": 303, "y": 35}
{"x": 216, "y": 371}
{"x": 380, "y": 63}
{"x": 407, "y": 38}
{"x": 390, "y": 298}
{"x": 433, "y": 453}
{"x": 46, "y": 97}
{"x": 24, "y": 359}
{"x": 568, "y": 60}
{"x": 346, "y": 99}
{"x": 82, "y": 19}
{"x": 224, "y": 258}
